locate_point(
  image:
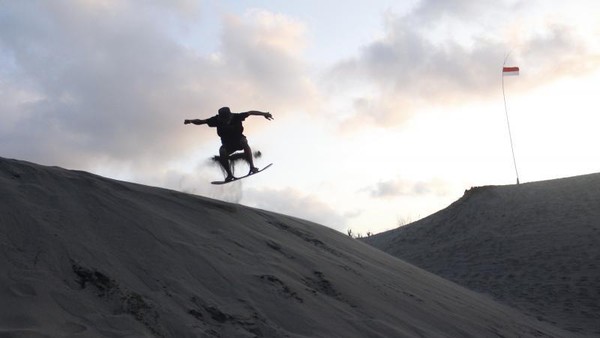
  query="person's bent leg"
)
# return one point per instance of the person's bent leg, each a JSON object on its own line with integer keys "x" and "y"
{"x": 248, "y": 155}
{"x": 224, "y": 160}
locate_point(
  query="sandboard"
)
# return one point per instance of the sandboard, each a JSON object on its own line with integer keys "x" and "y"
{"x": 239, "y": 178}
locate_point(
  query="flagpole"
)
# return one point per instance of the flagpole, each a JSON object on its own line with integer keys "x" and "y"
{"x": 508, "y": 122}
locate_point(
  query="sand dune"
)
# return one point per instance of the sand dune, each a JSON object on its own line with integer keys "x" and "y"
{"x": 534, "y": 246}
{"x": 86, "y": 256}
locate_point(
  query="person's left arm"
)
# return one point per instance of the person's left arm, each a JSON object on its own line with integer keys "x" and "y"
{"x": 266, "y": 115}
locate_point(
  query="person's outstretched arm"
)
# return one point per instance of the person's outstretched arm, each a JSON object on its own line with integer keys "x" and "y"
{"x": 196, "y": 121}
{"x": 266, "y": 115}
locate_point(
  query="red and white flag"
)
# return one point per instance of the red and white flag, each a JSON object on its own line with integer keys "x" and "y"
{"x": 510, "y": 71}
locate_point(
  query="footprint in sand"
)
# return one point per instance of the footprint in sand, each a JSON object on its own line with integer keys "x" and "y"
{"x": 22, "y": 290}
{"x": 71, "y": 328}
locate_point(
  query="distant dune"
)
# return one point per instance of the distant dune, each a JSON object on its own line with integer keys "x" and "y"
{"x": 87, "y": 256}
{"x": 534, "y": 246}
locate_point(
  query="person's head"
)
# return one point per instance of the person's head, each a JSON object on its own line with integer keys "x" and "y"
{"x": 224, "y": 113}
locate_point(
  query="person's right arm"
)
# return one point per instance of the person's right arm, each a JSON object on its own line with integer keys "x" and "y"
{"x": 196, "y": 121}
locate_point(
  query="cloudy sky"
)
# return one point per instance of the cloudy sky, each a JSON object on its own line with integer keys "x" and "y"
{"x": 385, "y": 111}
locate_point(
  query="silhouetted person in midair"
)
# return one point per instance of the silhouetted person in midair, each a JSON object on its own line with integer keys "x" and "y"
{"x": 230, "y": 129}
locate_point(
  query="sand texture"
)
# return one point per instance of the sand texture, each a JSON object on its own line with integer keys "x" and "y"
{"x": 86, "y": 256}
{"x": 533, "y": 246}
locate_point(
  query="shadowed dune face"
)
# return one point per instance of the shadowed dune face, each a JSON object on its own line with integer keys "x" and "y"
{"x": 87, "y": 256}
{"x": 533, "y": 246}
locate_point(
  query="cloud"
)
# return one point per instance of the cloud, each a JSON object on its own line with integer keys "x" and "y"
{"x": 445, "y": 53}
{"x": 93, "y": 83}
{"x": 400, "y": 187}
{"x": 102, "y": 82}
{"x": 262, "y": 61}
{"x": 296, "y": 203}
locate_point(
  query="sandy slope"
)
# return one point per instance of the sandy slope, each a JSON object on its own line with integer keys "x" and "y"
{"x": 85, "y": 256}
{"x": 535, "y": 246}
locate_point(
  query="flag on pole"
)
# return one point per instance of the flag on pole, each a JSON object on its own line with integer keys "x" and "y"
{"x": 510, "y": 71}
